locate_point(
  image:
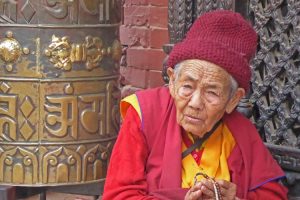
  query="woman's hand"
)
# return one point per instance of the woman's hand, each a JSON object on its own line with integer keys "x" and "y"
{"x": 194, "y": 193}
{"x": 227, "y": 189}
{"x": 204, "y": 190}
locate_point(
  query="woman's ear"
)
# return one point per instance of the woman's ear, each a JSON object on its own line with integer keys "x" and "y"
{"x": 170, "y": 72}
{"x": 234, "y": 101}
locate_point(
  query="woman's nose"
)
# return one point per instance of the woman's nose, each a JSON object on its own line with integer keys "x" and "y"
{"x": 196, "y": 100}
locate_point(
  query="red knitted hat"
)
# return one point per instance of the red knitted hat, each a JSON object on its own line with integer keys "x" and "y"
{"x": 222, "y": 37}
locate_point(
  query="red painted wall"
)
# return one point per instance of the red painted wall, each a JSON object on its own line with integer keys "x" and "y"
{"x": 143, "y": 33}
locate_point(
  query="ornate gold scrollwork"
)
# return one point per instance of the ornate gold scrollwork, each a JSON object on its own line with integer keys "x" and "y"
{"x": 94, "y": 52}
{"x": 62, "y": 53}
{"x": 59, "y": 52}
{"x": 8, "y": 113}
{"x": 22, "y": 165}
{"x": 58, "y": 90}
{"x": 63, "y": 164}
{"x": 10, "y": 50}
{"x": 62, "y": 117}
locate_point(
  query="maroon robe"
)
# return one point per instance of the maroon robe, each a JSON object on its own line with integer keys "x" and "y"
{"x": 148, "y": 154}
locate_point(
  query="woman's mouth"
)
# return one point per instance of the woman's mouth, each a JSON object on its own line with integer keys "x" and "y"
{"x": 192, "y": 119}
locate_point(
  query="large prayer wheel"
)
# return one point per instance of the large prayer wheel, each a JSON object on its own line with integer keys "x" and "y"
{"x": 58, "y": 90}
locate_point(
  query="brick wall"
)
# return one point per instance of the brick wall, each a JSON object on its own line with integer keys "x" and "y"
{"x": 143, "y": 33}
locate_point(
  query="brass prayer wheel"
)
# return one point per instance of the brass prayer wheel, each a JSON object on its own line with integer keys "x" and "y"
{"x": 58, "y": 90}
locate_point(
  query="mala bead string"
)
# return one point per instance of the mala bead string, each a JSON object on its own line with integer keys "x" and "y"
{"x": 216, "y": 185}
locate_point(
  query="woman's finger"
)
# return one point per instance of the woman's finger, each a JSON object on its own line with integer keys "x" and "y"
{"x": 207, "y": 192}
{"x": 194, "y": 195}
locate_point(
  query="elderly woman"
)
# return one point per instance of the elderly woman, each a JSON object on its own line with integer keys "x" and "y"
{"x": 186, "y": 141}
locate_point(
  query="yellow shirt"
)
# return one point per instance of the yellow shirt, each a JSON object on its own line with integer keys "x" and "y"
{"x": 216, "y": 151}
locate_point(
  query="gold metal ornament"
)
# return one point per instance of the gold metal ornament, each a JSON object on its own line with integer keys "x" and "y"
{"x": 63, "y": 54}
{"x": 10, "y": 50}
{"x": 59, "y": 94}
{"x": 59, "y": 52}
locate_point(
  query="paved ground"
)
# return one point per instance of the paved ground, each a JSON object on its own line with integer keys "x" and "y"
{"x": 61, "y": 196}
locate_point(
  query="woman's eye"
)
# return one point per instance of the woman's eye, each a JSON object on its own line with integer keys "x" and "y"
{"x": 186, "y": 90}
{"x": 187, "y": 86}
{"x": 213, "y": 93}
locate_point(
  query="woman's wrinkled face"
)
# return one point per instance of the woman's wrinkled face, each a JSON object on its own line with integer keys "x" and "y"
{"x": 201, "y": 92}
